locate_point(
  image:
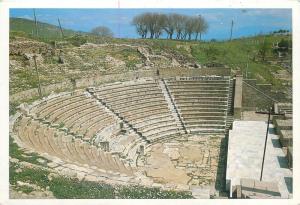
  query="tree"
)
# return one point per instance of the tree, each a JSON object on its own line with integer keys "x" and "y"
{"x": 170, "y": 24}
{"x": 180, "y": 25}
{"x": 201, "y": 27}
{"x": 102, "y": 31}
{"x": 140, "y": 24}
{"x": 154, "y": 24}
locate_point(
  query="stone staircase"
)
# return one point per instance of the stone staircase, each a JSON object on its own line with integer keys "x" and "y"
{"x": 126, "y": 123}
{"x": 172, "y": 105}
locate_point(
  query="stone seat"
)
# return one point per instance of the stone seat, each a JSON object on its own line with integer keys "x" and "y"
{"x": 283, "y": 124}
{"x": 286, "y": 138}
{"x": 163, "y": 128}
{"x": 48, "y": 109}
{"x": 153, "y": 121}
{"x": 162, "y": 134}
{"x": 203, "y": 122}
{"x": 143, "y": 108}
{"x": 70, "y": 113}
{"x": 184, "y": 101}
{"x": 83, "y": 127}
{"x": 135, "y": 99}
{"x": 55, "y": 101}
{"x": 144, "y": 114}
{"x": 186, "y": 106}
{"x": 130, "y": 93}
{"x": 79, "y": 113}
{"x": 199, "y": 82}
{"x": 150, "y": 113}
{"x": 195, "y": 117}
{"x": 206, "y": 126}
{"x": 123, "y": 86}
{"x": 182, "y": 88}
{"x": 141, "y": 105}
{"x": 221, "y": 113}
{"x": 201, "y": 109}
{"x": 151, "y": 118}
{"x": 202, "y": 98}
{"x": 84, "y": 116}
{"x": 200, "y": 94}
{"x": 198, "y": 91}
{"x": 207, "y": 131}
{"x": 62, "y": 110}
{"x": 157, "y": 125}
{"x": 140, "y": 102}
{"x": 93, "y": 129}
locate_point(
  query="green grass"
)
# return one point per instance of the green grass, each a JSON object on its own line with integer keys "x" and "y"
{"x": 46, "y": 32}
{"x": 29, "y": 175}
{"x": 69, "y": 188}
{"x": 16, "y": 152}
{"x": 66, "y": 188}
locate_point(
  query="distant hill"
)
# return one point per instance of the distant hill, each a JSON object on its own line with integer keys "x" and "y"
{"x": 45, "y": 30}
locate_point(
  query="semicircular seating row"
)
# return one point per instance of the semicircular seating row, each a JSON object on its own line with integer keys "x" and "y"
{"x": 82, "y": 117}
{"x": 143, "y": 105}
{"x": 74, "y": 119}
{"x": 44, "y": 139}
{"x": 202, "y": 103}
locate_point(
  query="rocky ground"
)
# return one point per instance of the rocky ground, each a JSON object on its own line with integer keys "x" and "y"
{"x": 61, "y": 60}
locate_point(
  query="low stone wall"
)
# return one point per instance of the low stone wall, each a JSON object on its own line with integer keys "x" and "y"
{"x": 188, "y": 72}
{"x": 79, "y": 83}
{"x": 68, "y": 85}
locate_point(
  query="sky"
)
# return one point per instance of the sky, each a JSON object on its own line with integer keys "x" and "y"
{"x": 247, "y": 22}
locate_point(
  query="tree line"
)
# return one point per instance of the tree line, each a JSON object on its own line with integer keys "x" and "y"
{"x": 176, "y": 26}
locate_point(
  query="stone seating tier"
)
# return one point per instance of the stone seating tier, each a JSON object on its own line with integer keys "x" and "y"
{"x": 80, "y": 112}
{"x": 191, "y": 113}
{"x": 83, "y": 116}
{"x": 48, "y": 109}
{"x": 44, "y": 139}
{"x": 130, "y": 93}
{"x": 201, "y": 109}
{"x": 59, "y": 110}
{"x": 142, "y": 107}
{"x": 157, "y": 126}
{"x": 151, "y": 121}
{"x": 200, "y": 118}
{"x": 108, "y": 88}
{"x": 70, "y": 112}
{"x": 131, "y": 102}
{"x": 192, "y": 121}
{"x": 286, "y": 138}
{"x": 48, "y": 102}
{"x": 135, "y": 99}
{"x": 199, "y": 101}
{"x": 134, "y": 117}
{"x": 200, "y": 94}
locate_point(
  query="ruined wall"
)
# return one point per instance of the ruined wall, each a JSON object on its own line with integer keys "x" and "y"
{"x": 98, "y": 80}
{"x": 172, "y": 72}
{"x": 68, "y": 85}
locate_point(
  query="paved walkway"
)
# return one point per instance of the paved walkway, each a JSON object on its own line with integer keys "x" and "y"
{"x": 245, "y": 153}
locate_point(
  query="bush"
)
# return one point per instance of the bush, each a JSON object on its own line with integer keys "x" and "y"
{"x": 77, "y": 40}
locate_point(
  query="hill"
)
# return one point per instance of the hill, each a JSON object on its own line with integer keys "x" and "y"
{"x": 45, "y": 30}
{"x": 85, "y": 56}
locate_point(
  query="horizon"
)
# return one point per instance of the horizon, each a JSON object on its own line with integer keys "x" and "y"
{"x": 247, "y": 22}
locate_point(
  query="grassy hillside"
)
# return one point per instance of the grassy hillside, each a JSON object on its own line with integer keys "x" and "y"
{"x": 45, "y": 30}
{"x": 113, "y": 55}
